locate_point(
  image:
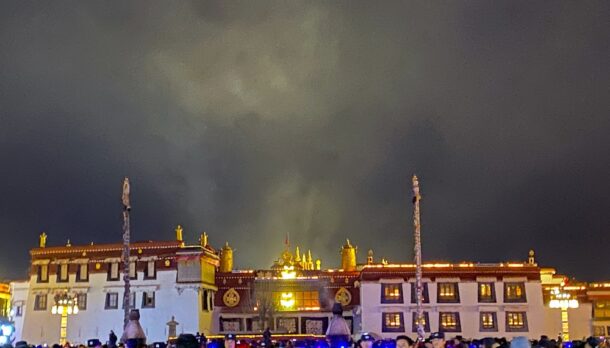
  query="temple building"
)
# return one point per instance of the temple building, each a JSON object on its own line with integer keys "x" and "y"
{"x": 168, "y": 280}
{"x": 180, "y": 288}
{"x": 294, "y": 296}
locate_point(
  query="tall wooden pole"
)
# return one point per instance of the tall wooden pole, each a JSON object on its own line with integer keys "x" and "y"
{"x": 126, "y": 237}
{"x": 418, "y": 268}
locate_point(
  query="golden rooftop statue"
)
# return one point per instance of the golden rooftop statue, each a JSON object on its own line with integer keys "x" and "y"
{"x": 179, "y": 231}
{"x": 203, "y": 239}
{"x": 43, "y": 240}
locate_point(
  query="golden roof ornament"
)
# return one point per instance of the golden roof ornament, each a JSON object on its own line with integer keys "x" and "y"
{"x": 179, "y": 231}
{"x": 203, "y": 239}
{"x": 43, "y": 240}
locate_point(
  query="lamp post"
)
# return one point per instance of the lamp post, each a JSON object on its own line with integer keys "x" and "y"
{"x": 65, "y": 305}
{"x": 563, "y": 301}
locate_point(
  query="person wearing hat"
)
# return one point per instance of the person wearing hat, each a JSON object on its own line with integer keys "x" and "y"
{"x": 230, "y": 340}
{"x": 366, "y": 340}
{"x": 437, "y": 339}
{"x": 403, "y": 341}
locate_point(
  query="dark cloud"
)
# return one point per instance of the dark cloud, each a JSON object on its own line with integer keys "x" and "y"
{"x": 253, "y": 120}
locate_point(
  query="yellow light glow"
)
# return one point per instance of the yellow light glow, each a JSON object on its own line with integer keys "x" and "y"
{"x": 287, "y": 300}
{"x": 289, "y": 273}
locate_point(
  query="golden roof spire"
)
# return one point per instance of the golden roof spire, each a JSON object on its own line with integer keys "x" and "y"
{"x": 297, "y": 255}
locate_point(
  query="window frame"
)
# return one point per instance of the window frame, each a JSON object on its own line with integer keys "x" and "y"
{"x": 79, "y": 301}
{"x": 107, "y": 304}
{"x": 456, "y": 316}
{"x": 37, "y": 305}
{"x": 19, "y": 310}
{"x": 456, "y": 290}
{"x": 597, "y": 309}
{"x": 492, "y": 297}
{"x": 135, "y": 270}
{"x": 523, "y": 328}
{"x": 401, "y": 320}
{"x": 59, "y": 273}
{"x": 154, "y": 270}
{"x": 79, "y": 276}
{"x": 399, "y": 299}
{"x": 426, "y": 324}
{"x": 494, "y": 316}
{"x": 145, "y": 295}
{"x": 40, "y": 273}
{"x": 425, "y": 294}
{"x": 521, "y": 299}
{"x": 109, "y": 277}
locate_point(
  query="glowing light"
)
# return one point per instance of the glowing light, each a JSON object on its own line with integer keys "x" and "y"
{"x": 289, "y": 273}
{"x": 7, "y": 330}
{"x": 54, "y": 310}
{"x": 287, "y": 300}
{"x": 562, "y": 300}
{"x": 3, "y": 340}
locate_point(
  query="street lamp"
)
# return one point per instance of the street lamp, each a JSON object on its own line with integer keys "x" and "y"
{"x": 65, "y": 305}
{"x": 563, "y": 301}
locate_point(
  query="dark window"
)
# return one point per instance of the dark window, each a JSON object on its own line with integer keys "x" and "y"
{"x": 391, "y": 293}
{"x": 426, "y": 322}
{"x": 449, "y": 322}
{"x": 18, "y": 310}
{"x": 151, "y": 270}
{"x": 43, "y": 274}
{"x": 148, "y": 299}
{"x": 207, "y": 300}
{"x": 393, "y": 322}
{"x": 448, "y": 293}
{"x": 113, "y": 271}
{"x": 62, "y": 274}
{"x": 516, "y": 322}
{"x": 514, "y": 292}
{"x": 487, "y": 292}
{"x": 82, "y": 273}
{"x": 81, "y": 301}
{"x": 488, "y": 321}
{"x": 426, "y": 298}
{"x": 112, "y": 300}
{"x": 40, "y": 303}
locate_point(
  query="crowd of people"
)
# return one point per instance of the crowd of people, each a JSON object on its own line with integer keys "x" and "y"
{"x": 435, "y": 340}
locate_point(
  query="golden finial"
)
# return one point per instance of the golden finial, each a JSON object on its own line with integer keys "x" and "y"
{"x": 68, "y": 244}
{"x": 309, "y": 256}
{"x": 179, "y": 233}
{"x": 318, "y": 264}
{"x": 531, "y": 257}
{"x": 43, "y": 240}
{"x": 203, "y": 239}
{"x": 297, "y": 255}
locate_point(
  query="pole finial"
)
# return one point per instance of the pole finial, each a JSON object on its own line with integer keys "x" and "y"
{"x": 125, "y": 196}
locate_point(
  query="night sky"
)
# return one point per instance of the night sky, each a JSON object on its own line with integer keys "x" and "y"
{"x": 252, "y": 119}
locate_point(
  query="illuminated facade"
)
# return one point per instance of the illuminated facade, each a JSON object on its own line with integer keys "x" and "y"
{"x": 198, "y": 287}
{"x": 468, "y": 299}
{"x": 294, "y": 296}
{"x": 169, "y": 280}
{"x": 5, "y": 301}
